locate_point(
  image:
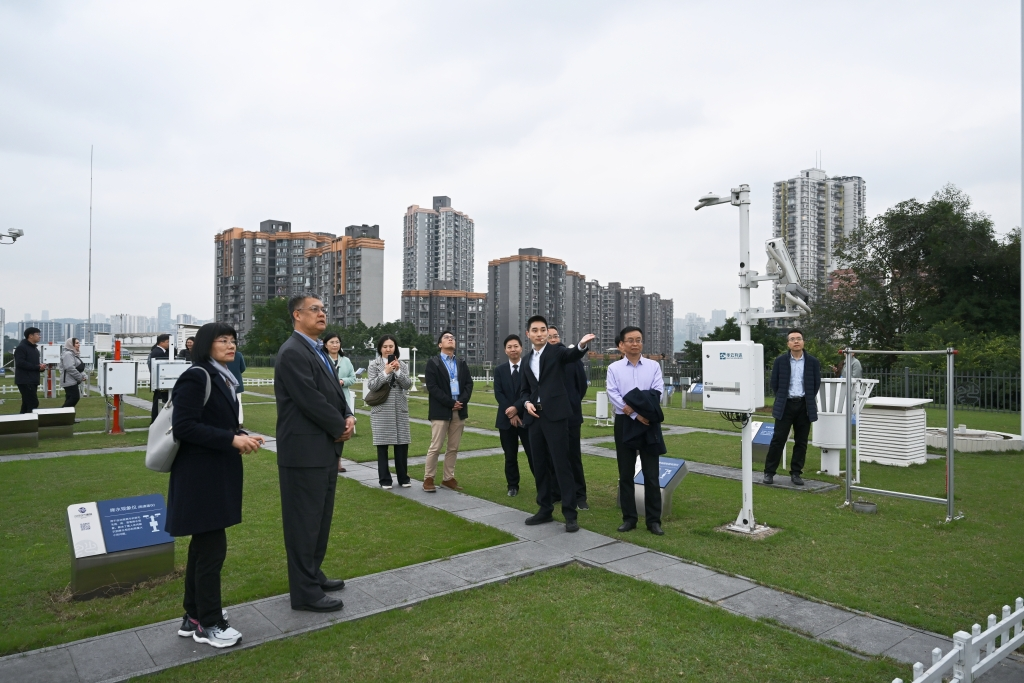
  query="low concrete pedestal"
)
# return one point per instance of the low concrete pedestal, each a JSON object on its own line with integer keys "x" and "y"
{"x": 19, "y": 431}
{"x": 56, "y": 423}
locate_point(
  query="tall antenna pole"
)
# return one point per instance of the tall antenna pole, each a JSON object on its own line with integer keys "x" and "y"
{"x": 88, "y": 321}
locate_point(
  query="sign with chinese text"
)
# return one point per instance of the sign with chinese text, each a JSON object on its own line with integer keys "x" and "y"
{"x": 86, "y": 533}
{"x": 134, "y": 522}
{"x": 667, "y": 468}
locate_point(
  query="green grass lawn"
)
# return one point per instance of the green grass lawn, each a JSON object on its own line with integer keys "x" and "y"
{"x": 92, "y": 406}
{"x": 902, "y": 563}
{"x": 567, "y": 624}
{"x": 372, "y": 531}
{"x": 86, "y": 441}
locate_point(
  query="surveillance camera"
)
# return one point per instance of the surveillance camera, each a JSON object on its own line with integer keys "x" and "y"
{"x": 16, "y": 232}
{"x": 780, "y": 263}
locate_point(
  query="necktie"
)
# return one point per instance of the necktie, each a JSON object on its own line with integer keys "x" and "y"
{"x": 515, "y": 375}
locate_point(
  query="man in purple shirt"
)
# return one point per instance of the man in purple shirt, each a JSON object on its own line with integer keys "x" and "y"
{"x": 634, "y": 371}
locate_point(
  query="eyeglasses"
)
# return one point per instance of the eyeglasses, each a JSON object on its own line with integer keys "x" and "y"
{"x": 554, "y": 335}
{"x": 633, "y": 341}
{"x": 227, "y": 341}
{"x": 314, "y": 309}
{"x": 448, "y": 336}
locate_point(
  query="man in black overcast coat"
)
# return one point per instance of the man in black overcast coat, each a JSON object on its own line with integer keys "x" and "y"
{"x": 27, "y": 367}
{"x": 313, "y": 421}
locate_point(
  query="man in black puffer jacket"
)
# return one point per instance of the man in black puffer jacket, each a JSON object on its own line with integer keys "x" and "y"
{"x": 27, "y": 368}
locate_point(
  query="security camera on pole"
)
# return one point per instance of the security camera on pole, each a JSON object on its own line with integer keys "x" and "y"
{"x": 734, "y": 371}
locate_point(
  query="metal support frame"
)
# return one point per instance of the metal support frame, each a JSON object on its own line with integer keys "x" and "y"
{"x": 850, "y": 487}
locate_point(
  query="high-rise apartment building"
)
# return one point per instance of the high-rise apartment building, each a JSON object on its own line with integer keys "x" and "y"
{"x": 253, "y": 267}
{"x": 812, "y": 212}
{"x": 163, "y": 319}
{"x": 530, "y": 283}
{"x": 348, "y": 275}
{"x": 441, "y": 307}
{"x": 51, "y": 331}
{"x": 521, "y": 286}
{"x": 717, "y": 318}
{"x": 437, "y": 245}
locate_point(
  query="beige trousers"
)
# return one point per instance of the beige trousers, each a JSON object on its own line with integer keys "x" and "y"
{"x": 440, "y": 431}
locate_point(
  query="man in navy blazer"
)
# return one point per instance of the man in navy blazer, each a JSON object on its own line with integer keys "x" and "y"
{"x": 796, "y": 378}
{"x": 510, "y": 421}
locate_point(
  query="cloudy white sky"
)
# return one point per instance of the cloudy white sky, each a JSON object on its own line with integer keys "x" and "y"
{"x": 587, "y": 129}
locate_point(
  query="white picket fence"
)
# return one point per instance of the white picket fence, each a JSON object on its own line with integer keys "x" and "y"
{"x": 258, "y": 381}
{"x": 975, "y": 653}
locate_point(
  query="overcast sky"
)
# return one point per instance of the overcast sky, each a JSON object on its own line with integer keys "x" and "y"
{"x": 586, "y": 129}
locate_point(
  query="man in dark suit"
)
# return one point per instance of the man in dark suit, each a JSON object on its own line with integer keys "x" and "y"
{"x": 544, "y": 397}
{"x": 313, "y": 420}
{"x": 509, "y": 421}
{"x": 27, "y": 367}
{"x": 449, "y": 386}
{"x": 158, "y": 352}
{"x": 576, "y": 386}
{"x": 796, "y": 378}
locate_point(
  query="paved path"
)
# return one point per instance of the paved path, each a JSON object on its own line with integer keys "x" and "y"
{"x": 150, "y": 648}
{"x": 65, "y": 454}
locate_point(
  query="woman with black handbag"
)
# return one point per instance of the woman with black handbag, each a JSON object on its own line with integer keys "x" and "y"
{"x": 389, "y": 419}
{"x": 204, "y": 496}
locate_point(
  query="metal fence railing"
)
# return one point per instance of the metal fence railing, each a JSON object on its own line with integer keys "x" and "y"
{"x": 972, "y": 390}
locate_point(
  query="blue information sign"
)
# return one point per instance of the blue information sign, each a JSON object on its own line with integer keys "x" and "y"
{"x": 667, "y": 468}
{"x": 133, "y": 522}
{"x": 697, "y": 388}
{"x": 764, "y": 434}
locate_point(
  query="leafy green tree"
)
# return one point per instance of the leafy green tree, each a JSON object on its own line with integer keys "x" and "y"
{"x": 773, "y": 339}
{"x": 271, "y": 327}
{"x": 919, "y": 267}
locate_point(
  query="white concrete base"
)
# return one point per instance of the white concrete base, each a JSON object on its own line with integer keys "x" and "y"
{"x": 974, "y": 440}
{"x": 898, "y": 462}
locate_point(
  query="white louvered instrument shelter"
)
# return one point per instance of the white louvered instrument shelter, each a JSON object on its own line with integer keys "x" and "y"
{"x": 892, "y": 431}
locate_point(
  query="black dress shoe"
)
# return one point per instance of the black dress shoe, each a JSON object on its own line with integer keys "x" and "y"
{"x": 333, "y": 584}
{"x": 572, "y": 526}
{"x": 627, "y": 526}
{"x": 539, "y": 518}
{"x": 655, "y": 529}
{"x": 513, "y": 491}
{"x": 797, "y": 481}
{"x": 768, "y": 479}
{"x": 581, "y": 504}
{"x": 324, "y": 604}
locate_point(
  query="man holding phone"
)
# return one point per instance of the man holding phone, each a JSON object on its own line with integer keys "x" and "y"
{"x": 449, "y": 387}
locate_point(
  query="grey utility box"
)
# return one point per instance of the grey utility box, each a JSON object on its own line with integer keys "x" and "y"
{"x": 19, "y": 431}
{"x": 56, "y": 423}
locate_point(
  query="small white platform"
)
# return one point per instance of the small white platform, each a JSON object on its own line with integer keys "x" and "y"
{"x": 892, "y": 431}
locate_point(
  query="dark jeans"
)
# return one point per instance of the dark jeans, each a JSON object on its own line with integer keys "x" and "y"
{"x": 29, "y": 397}
{"x": 307, "y": 508}
{"x": 550, "y": 442}
{"x": 794, "y": 415}
{"x": 159, "y": 398}
{"x": 72, "y": 395}
{"x": 650, "y": 466}
{"x": 510, "y": 439}
{"x": 401, "y": 464}
{"x": 206, "y": 553}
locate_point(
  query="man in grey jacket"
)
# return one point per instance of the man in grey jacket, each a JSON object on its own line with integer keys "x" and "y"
{"x": 313, "y": 421}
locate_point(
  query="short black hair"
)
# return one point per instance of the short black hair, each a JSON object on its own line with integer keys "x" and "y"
{"x": 334, "y": 335}
{"x": 553, "y": 327}
{"x": 440, "y": 336}
{"x": 536, "y": 319}
{"x": 205, "y": 337}
{"x": 512, "y": 337}
{"x": 626, "y": 330}
{"x": 797, "y": 330}
{"x": 190, "y": 339}
{"x": 161, "y": 338}
{"x": 29, "y": 331}
{"x": 295, "y": 303}
{"x": 384, "y": 338}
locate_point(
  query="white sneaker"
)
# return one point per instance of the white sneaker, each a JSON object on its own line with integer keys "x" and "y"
{"x": 385, "y": 486}
{"x": 406, "y": 486}
{"x": 217, "y": 636}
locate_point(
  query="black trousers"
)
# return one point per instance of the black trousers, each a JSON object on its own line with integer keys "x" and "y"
{"x": 401, "y": 464}
{"x": 29, "y": 397}
{"x": 510, "y": 439}
{"x": 550, "y": 442}
{"x": 307, "y": 507}
{"x": 650, "y": 466}
{"x": 576, "y": 461}
{"x": 795, "y": 416}
{"x": 159, "y": 397}
{"x": 206, "y": 553}
{"x": 72, "y": 395}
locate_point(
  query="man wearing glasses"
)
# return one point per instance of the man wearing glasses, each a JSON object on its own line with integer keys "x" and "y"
{"x": 796, "y": 378}
{"x": 449, "y": 387}
{"x": 313, "y": 422}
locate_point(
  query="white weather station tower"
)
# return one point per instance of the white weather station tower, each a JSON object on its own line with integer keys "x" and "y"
{"x": 733, "y": 371}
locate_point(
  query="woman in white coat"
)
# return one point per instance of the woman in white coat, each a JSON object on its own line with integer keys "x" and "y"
{"x": 390, "y": 420}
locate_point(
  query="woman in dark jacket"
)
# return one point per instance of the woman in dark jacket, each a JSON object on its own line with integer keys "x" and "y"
{"x": 186, "y": 353}
{"x": 205, "y": 492}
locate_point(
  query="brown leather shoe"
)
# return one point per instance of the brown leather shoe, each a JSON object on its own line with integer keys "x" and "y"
{"x": 452, "y": 484}
{"x": 428, "y": 484}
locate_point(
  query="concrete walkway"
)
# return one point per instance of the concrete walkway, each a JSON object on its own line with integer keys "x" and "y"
{"x": 146, "y": 649}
